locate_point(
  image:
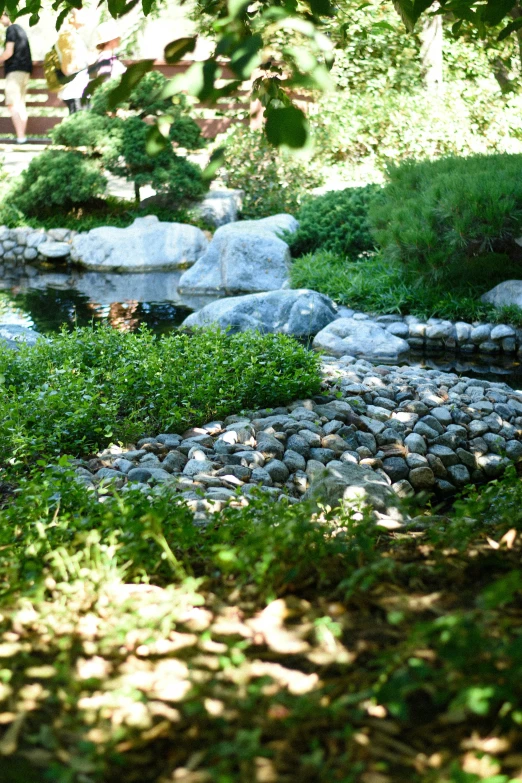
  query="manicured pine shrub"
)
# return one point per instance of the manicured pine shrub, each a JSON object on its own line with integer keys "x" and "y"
{"x": 455, "y": 219}
{"x": 336, "y": 222}
{"x": 63, "y": 179}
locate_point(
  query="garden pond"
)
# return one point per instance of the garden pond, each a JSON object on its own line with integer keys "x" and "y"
{"x": 47, "y": 299}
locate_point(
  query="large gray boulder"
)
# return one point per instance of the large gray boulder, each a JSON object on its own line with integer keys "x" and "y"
{"x": 147, "y": 245}
{"x": 348, "y": 336}
{"x": 354, "y": 488}
{"x": 244, "y": 257}
{"x": 301, "y": 313}
{"x": 507, "y": 293}
{"x": 13, "y": 335}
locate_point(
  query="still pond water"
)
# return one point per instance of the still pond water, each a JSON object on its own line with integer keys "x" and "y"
{"x": 47, "y": 299}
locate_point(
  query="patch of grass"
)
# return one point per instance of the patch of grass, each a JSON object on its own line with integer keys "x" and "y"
{"x": 377, "y": 286}
{"x": 76, "y": 391}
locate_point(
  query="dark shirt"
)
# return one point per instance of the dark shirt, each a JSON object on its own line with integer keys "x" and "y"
{"x": 21, "y": 58}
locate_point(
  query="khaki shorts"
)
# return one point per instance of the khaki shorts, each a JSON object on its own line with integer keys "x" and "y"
{"x": 15, "y": 87}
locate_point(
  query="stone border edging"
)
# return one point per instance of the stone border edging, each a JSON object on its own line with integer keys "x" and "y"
{"x": 437, "y": 334}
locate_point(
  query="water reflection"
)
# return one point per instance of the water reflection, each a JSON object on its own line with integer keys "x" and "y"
{"x": 48, "y": 299}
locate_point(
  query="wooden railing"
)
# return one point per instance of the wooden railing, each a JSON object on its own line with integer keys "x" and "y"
{"x": 46, "y": 110}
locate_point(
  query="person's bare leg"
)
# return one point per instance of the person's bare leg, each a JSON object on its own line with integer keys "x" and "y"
{"x": 18, "y": 114}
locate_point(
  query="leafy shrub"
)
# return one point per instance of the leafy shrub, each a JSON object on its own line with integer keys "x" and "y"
{"x": 78, "y": 390}
{"x": 62, "y": 179}
{"x": 456, "y": 218}
{"x": 83, "y": 129}
{"x": 166, "y": 171}
{"x": 337, "y": 222}
{"x": 384, "y": 127}
{"x": 272, "y": 180}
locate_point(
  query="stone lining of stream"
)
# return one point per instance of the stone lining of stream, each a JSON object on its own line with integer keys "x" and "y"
{"x": 437, "y": 335}
{"x": 375, "y": 434}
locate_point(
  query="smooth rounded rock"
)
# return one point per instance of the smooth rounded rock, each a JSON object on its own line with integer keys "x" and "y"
{"x": 139, "y": 475}
{"x": 415, "y": 443}
{"x": 277, "y": 471}
{"x": 147, "y": 245}
{"x": 294, "y": 461}
{"x": 422, "y": 477}
{"x": 458, "y": 475}
{"x": 396, "y": 468}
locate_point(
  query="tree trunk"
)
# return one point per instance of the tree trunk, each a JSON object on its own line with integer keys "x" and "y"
{"x": 431, "y": 51}
{"x": 501, "y": 74}
{"x": 516, "y": 13}
{"x": 137, "y": 192}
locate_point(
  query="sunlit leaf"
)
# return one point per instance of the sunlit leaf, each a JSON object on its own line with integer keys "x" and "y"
{"x": 175, "y": 50}
{"x": 237, "y": 8}
{"x": 512, "y": 27}
{"x": 155, "y": 142}
{"x": 216, "y": 161}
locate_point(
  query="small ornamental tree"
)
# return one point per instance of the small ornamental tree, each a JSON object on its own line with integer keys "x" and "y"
{"x": 116, "y": 137}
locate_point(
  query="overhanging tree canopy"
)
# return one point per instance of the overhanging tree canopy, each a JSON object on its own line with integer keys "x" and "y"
{"x": 281, "y": 46}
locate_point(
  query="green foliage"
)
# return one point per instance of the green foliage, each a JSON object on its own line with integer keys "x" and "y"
{"x": 378, "y": 286}
{"x": 372, "y": 53}
{"x": 76, "y": 391}
{"x": 315, "y": 630}
{"x": 118, "y": 142}
{"x": 386, "y": 127}
{"x": 107, "y": 212}
{"x": 336, "y": 222}
{"x": 273, "y": 181}
{"x": 57, "y": 179}
{"x": 83, "y": 129}
{"x": 453, "y": 219}
{"x": 166, "y": 172}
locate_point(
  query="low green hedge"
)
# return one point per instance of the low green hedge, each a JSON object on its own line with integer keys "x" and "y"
{"x": 79, "y": 390}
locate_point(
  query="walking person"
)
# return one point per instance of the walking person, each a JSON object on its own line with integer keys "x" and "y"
{"x": 74, "y": 60}
{"x": 107, "y": 42}
{"x": 18, "y": 67}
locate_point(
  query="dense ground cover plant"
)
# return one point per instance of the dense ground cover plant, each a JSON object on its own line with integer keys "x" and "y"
{"x": 79, "y": 390}
{"x": 455, "y": 219}
{"x": 336, "y": 222}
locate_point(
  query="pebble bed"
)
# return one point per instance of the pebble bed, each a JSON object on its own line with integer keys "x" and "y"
{"x": 419, "y": 429}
